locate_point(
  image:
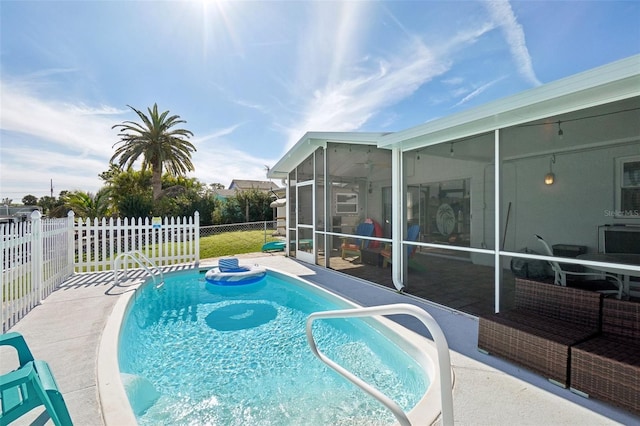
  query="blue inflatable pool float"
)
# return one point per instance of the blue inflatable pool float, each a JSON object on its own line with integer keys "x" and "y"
{"x": 230, "y": 273}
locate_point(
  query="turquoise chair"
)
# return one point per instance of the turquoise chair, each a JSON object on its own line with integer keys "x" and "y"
{"x": 32, "y": 384}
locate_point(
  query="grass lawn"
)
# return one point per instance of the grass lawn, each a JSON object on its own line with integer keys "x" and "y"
{"x": 17, "y": 288}
{"x": 230, "y": 243}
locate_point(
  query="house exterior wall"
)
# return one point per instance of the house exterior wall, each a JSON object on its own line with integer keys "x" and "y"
{"x": 569, "y": 211}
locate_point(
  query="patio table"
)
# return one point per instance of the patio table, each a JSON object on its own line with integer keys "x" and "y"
{"x": 623, "y": 258}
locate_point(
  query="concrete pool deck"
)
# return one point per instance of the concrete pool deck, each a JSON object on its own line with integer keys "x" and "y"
{"x": 66, "y": 329}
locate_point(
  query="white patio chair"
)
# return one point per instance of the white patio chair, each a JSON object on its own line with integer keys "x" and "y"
{"x": 561, "y": 274}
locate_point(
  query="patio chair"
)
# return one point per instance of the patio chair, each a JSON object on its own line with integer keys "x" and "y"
{"x": 353, "y": 246}
{"x": 32, "y": 384}
{"x": 412, "y": 235}
{"x": 604, "y": 286}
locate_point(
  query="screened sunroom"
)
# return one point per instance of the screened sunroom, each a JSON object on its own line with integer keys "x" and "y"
{"x": 544, "y": 185}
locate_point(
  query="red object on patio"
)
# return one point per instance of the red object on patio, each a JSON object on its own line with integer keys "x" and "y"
{"x": 377, "y": 232}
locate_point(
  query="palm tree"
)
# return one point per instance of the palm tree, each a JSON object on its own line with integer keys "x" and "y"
{"x": 157, "y": 143}
{"x": 85, "y": 204}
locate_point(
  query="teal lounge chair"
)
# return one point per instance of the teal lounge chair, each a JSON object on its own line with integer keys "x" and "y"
{"x": 32, "y": 384}
{"x": 274, "y": 246}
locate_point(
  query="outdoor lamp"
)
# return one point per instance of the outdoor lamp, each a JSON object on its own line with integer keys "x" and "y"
{"x": 549, "y": 178}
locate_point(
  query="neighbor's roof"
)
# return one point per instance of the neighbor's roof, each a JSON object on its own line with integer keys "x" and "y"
{"x": 612, "y": 82}
{"x": 243, "y": 185}
{"x": 225, "y": 193}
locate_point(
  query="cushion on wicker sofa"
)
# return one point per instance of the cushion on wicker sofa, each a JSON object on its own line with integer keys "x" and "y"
{"x": 546, "y": 320}
{"x": 607, "y": 367}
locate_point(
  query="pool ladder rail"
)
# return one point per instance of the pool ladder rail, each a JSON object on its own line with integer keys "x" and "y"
{"x": 442, "y": 347}
{"x": 143, "y": 261}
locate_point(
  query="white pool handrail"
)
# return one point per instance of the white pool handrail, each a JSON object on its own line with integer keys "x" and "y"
{"x": 137, "y": 257}
{"x": 442, "y": 347}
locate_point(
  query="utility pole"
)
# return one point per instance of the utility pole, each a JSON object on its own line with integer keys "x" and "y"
{"x": 51, "y": 188}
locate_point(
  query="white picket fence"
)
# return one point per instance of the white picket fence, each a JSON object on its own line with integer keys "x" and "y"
{"x": 36, "y": 257}
{"x": 39, "y": 255}
{"x": 167, "y": 241}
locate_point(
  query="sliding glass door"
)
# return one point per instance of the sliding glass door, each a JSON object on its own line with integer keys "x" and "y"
{"x": 305, "y": 243}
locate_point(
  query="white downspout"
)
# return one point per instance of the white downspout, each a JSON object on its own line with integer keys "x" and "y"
{"x": 496, "y": 232}
{"x": 397, "y": 213}
{"x": 287, "y": 219}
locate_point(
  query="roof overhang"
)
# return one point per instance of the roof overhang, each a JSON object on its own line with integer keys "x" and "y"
{"x": 312, "y": 141}
{"x": 616, "y": 81}
{"x": 609, "y": 83}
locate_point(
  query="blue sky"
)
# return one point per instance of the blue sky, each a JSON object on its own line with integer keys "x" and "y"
{"x": 251, "y": 77}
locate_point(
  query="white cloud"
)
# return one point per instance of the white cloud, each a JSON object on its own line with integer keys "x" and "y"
{"x": 330, "y": 39}
{"x": 346, "y": 100}
{"x": 503, "y": 16}
{"x": 216, "y": 134}
{"x": 220, "y": 162}
{"x": 368, "y": 86}
{"x": 50, "y": 139}
{"x": 251, "y": 105}
{"x": 478, "y": 91}
{"x": 339, "y": 82}
{"x": 66, "y": 126}
{"x": 453, "y": 81}
{"x": 30, "y": 171}
{"x": 72, "y": 144}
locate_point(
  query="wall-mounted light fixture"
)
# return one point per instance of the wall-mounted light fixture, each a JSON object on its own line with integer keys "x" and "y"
{"x": 451, "y": 150}
{"x": 550, "y": 178}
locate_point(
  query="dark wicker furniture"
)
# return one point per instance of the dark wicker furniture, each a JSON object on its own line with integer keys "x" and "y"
{"x": 545, "y": 322}
{"x": 607, "y": 367}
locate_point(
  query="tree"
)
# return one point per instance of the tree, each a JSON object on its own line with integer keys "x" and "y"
{"x": 184, "y": 196}
{"x": 85, "y": 204}
{"x": 30, "y": 200}
{"x": 108, "y": 176}
{"x": 131, "y": 195}
{"x": 6, "y": 201}
{"x": 246, "y": 206}
{"x": 157, "y": 143}
{"x": 51, "y": 206}
{"x": 130, "y": 191}
{"x": 256, "y": 205}
{"x": 135, "y": 205}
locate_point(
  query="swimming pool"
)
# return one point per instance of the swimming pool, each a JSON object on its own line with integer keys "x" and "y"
{"x": 190, "y": 354}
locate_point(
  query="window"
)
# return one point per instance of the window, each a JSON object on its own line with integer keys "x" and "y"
{"x": 346, "y": 203}
{"x": 628, "y": 187}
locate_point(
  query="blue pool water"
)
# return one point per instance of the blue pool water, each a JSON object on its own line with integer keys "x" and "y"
{"x": 192, "y": 354}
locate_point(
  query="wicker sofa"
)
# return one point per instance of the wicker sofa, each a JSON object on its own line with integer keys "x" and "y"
{"x": 607, "y": 367}
{"x": 545, "y": 322}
